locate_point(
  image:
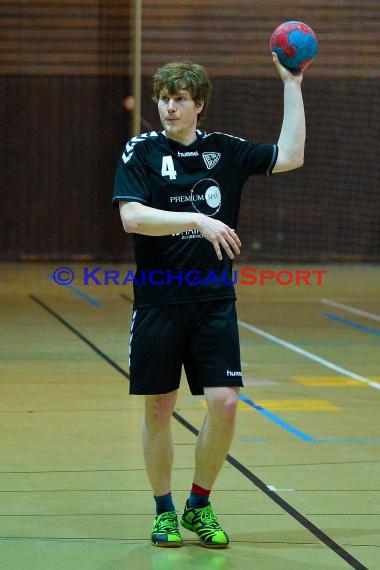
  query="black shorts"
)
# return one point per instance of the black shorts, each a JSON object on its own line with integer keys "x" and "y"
{"x": 202, "y": 337}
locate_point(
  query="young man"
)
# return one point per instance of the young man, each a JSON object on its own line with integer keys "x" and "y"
{"x": 179, "y": 192}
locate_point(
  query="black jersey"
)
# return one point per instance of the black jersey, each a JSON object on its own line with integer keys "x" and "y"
{"x": 207, "y": 177}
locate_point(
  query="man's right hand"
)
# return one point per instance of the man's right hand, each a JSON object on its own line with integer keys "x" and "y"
{"x": 220, "y": 235}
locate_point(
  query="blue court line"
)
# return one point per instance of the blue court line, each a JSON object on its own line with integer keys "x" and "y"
{"x": 351, "y": 324}
{"x": 318, "y": 441}
{"x": 347, "y": 441}
{"x": 79, "y": 293}
{"x": 276, "y": 420}
{"x": 292, "y": 429}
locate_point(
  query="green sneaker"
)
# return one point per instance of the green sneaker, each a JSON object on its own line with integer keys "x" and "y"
{"x": 205, "y": 524}
{"x": 165, "y": 531}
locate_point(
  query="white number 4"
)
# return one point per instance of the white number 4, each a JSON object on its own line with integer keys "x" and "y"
{"x": 167, "y": 168}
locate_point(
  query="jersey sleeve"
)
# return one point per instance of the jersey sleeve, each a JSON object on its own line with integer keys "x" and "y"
{"x": 131, "y": 178}
{"x": 256, "y": 158}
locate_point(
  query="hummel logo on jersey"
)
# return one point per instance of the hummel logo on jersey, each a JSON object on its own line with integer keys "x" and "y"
{"x": 211, "y": 159}
{"x": 188, "y": 153}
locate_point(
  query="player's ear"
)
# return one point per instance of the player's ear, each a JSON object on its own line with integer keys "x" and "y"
{"x": 199, "y": 106}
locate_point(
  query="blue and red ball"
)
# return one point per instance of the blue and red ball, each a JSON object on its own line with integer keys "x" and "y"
{"x": 295, "y": 44}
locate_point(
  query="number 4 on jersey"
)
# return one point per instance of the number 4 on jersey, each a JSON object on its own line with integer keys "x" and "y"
{"x": 167, "y": 168}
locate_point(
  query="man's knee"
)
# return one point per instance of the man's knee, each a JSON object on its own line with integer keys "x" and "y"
{"x": 222, "y": 403}
{"x": 159, "y": 408}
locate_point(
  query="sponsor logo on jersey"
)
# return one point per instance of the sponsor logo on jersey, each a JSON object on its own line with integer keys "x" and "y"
{"x": 189, "y": 234}
{"x": 188, "y": 153}
{"x": 211, "y": 159}
{"x": 205, "y": 197}
{"x": 187, "y": 198}
{"x": 211, "y": 201}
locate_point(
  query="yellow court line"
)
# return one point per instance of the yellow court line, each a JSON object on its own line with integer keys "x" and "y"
{"x": 298, "y": 405}
{"x": 292, "y": 405}
{"x": 333, "y": 381}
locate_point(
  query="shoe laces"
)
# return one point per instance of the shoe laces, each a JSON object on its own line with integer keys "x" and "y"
{"x": 167, "y": 522}
{"x": 208, "y": 517}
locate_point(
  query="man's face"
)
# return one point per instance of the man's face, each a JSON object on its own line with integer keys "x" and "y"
{"x": 179, "y": 114}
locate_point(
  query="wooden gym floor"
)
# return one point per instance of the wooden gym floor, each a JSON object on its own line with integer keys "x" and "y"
{"x": 301, "y": 487}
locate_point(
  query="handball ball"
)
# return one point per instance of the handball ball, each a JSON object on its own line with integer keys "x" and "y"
{"x": 295, "y": 44}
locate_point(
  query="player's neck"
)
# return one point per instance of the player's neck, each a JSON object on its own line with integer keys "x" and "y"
{"x": 186, "y": 139}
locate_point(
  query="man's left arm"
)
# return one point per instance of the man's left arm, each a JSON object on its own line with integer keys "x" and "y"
{"x": 291, "y": 143}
